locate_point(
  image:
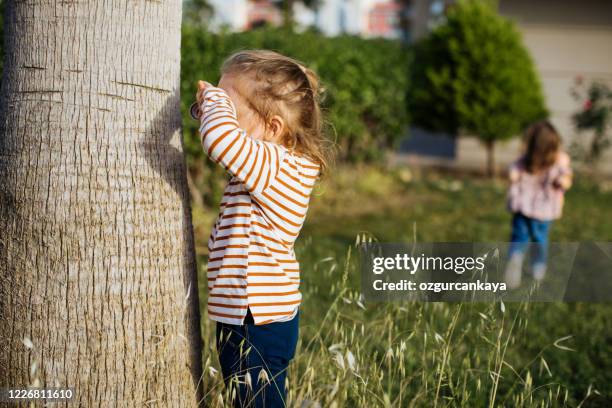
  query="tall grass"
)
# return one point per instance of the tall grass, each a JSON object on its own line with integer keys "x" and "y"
{"x": 414, "y": 354}
{"x": 404, "y": 354}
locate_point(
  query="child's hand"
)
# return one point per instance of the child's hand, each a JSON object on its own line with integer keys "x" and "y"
{"x": 564, "y": 182}
{"x": 200, "y": 93}
{"x": 514, "y": 175}
{"x": 194, "y": 110}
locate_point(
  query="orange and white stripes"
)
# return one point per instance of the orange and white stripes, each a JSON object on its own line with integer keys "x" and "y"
{"x": 251, "y": 259}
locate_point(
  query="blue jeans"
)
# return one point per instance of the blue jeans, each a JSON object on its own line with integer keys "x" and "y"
{"x": 250, "y": 348}
{"x": 524, "y": 230}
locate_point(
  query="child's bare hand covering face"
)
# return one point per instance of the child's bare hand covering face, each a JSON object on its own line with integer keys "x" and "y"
{"x": 247, "y": 118}
{"x": 200, "y": 92}
{"x": 195, "y": 110}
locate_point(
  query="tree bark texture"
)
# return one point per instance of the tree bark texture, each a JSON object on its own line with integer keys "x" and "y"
{"x": 98, "y": 283}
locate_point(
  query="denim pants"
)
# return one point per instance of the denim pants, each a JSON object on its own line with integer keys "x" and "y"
{"x": 525, "y": 230}
{"x": 250, "y": 349}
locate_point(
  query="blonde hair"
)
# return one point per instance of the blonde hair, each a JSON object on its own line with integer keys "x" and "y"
{"x": 285, "y": 87}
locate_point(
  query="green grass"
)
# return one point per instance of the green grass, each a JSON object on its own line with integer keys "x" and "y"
{"x": 435, "y": 354}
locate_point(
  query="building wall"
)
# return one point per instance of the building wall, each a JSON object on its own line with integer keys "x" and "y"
{"x": 231, "y": 13}
{"x": 384, "y": 20}
{"x": 262, "y": 12}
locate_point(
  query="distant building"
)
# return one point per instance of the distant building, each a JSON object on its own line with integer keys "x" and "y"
{"x": 335, "y": 17}
{"x": 229, "y": 13}
{"x": 262, "y": 12}
{"x": 368, "y": 18}
{"x": 384, "y": 20}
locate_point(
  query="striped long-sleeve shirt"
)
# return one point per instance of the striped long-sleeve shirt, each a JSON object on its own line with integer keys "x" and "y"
{"x": 251, "y": 261}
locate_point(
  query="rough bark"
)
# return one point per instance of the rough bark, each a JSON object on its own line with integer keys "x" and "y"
{"x": 97, "y": 263}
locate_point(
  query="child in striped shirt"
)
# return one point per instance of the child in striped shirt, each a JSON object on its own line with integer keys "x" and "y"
{"x": 263, "y": 125}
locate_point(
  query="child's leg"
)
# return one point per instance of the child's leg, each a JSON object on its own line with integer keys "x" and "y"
{"x": 250, "y": 348}
{"x": 516, "y": 252}
{"x": 539, "y": 232}
{"x": 273, "y": 348}
{"x": 520, "y": 233}
{"x": 232, "y": 347}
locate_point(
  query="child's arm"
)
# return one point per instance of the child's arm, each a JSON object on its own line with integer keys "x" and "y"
{"x": 565, "y": 178}
{"x": 564, "y": 182}
{"x": 254, "y": 162}
{"x": 514, "y": 172}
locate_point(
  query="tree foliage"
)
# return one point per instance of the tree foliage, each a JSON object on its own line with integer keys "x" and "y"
{"x": 473, "y": 75}
{"x": 197, "y": 12}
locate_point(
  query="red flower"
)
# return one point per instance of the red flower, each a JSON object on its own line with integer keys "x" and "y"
{"x": 588, "y": 104}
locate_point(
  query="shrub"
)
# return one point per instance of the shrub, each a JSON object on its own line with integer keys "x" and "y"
{"x": 595, "y": 116}
{"x": 473, "y": 75}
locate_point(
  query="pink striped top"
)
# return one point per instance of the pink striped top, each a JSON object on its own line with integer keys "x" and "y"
{"x": 251, "y": 262}
{"x": 536, "y": 195}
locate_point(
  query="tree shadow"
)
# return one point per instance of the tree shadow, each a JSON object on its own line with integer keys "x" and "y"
{"x": 166, "y": 157}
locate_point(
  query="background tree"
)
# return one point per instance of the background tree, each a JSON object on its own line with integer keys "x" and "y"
{"x": 97, "y": 275}
{"x": 473, "y": 75}
{"x": 197, "y": 12}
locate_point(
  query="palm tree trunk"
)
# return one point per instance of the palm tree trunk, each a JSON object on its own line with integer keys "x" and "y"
{"x": 98, "y": 283}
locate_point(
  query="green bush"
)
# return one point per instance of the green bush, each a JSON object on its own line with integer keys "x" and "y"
{"x": 473, "y": 75}
{"x": 595, "y": 116}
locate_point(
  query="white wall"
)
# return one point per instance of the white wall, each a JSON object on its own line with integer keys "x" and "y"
{"x": 232, "y": 13}
{"x": 336, "y": 16}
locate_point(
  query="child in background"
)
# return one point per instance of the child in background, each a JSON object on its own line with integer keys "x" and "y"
{"x": 539, "y": 180}
{"x": 263, "y": 125}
